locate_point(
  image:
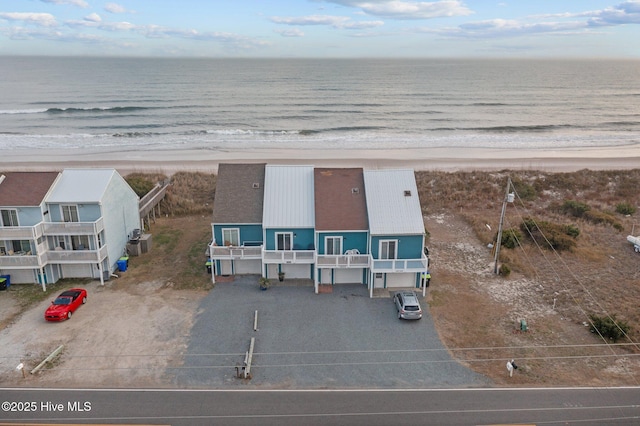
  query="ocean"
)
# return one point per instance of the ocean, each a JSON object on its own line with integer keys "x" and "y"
{"x": 226, "y": 104}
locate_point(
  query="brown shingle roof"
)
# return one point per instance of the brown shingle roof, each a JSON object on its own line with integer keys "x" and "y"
{"x": 239, "y": 193}
{"x": 25, "y": 188}
{"x": 340, "y": 201}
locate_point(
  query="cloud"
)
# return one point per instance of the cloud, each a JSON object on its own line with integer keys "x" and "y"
{"x": 621, "y": 14}
{"x": 158, "y": 31}
{"x": 40, "y": 19}
{"x": 408, "y": 10}
{"x": 80, "y": 3}
{"x": 504, "y": 28}
{"x": 116, "y": 8}
{"x": 341, "y": 22}
{"x": 94, "y": 17}
{"x": 293, "y": 32}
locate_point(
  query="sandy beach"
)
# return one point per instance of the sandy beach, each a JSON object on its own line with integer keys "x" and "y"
{"x": 444, "y": 159}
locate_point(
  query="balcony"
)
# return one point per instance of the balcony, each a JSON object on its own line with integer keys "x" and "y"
{"x": 73, "y": 228}
{"x": 400, "y": 265}
{"x": 21, "y": 232}
{"x": 288, "y": 256}
{"x": 343, "y": 261}
{"x": 20, "y": 261}
{"x": 77, "y": 256}
{"x": 236, "y": 252}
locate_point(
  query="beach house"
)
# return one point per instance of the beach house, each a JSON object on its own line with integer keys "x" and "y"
{"x": 237, "y": 219}
{"x": 341, "y": 226}
{"x": 396, "y": 230}
{"x": 22, "y": 213}
{"x": 288, "y": 222}
{"x": 329, "y": 225}
{"x": 79, "y": 229}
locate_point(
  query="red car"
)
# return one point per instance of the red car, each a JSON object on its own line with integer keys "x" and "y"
{"x": 66, "y": 304}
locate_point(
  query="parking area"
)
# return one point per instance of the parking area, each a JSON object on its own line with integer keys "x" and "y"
{"x": 342, "y": 339}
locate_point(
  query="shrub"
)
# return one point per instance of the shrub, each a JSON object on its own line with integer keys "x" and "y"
{"x": 551, "y": 235}
{"x": 625, "y": 208}
{"x": 598, "y": 217}
{"x": 140, "y": 185}
{"x": 524, "y": 190}
{"x": 572, "y": 231}
{"x": 511, "y": 238}
{"x": 504, "y": 270}
{"x": 574, "y": 208}
{"x": 609, "y": 327}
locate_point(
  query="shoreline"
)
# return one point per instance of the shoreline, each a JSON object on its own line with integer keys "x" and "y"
{"x": 440, "y": 159}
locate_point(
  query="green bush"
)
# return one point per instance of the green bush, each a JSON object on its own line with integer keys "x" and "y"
{"x": 625, "y": 208}
{"x": 551, "y": 235}
{"x": 609, "y": 327}
{"x": 504, "y": 270}
{"x": 524, "y": 190}
{"x": 572, "y": 231}
{"x": 574, "y": 208}
{"x": 511, "y": 238}
{"x": 140, "y": 185}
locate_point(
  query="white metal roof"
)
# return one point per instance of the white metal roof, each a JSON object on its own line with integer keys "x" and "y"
{"x": 81, "y": 186}
{"x": 392, "y": 202}
{"x": 288, "y": 197}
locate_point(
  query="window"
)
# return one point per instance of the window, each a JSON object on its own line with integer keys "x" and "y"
{"x": 80, "y": 242}
{"x": 333, "y": 245}
{"x": 21, "y": 246}
{"x": 231, "y": 236}
{"x": 283, "y": 240}
{"x": 69, "y": 213}
{"x": 388, "y": 249}
{"x": 9, "y": 217}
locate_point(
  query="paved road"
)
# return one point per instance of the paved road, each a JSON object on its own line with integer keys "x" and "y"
{"x": 338, "y": 340}
{"x": 589, "y": 406}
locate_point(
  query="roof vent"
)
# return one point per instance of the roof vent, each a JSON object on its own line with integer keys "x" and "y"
{"x": 255, "y": 185}
{"x": 355, "y": 190}
{"x": 407, "y": 193}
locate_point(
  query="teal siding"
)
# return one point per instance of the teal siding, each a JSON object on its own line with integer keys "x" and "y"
{"x": 409, "y": 246}
{"x": 248, "y": 233}
{"x": 350, "y": 240}
{"x": 302, "y": 238}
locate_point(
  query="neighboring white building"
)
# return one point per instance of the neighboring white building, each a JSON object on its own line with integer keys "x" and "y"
{"x": 87, "y": 218}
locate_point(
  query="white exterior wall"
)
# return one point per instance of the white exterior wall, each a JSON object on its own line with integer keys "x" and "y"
{"x": 120, "y": 212}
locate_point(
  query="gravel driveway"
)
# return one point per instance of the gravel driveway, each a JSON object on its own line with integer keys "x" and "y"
{"x": 342, "y": 339}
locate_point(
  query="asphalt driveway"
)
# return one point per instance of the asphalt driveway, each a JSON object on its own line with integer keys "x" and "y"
{"x": 342, "y": 339}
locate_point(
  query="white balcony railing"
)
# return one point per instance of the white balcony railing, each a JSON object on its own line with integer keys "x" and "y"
{"x": 77, "y": 256}
{"x": 236, "y": 252}
{"x": 20, "y": 261}
{"x": 73, "y": 228}
{"x": 21, "y": 232}
{"x": 288, "y": 256}
{"x": 343, "y": 261}
{"x": 400, "y": 265}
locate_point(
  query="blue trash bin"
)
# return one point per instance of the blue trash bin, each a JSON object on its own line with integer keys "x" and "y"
{"x": 122, "y": 265}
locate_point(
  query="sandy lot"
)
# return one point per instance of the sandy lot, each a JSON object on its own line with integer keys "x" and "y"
{"x": 477, "y": 315}
{"x": 120, "y": 338}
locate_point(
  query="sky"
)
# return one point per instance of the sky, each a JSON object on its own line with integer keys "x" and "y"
{"x": 322, "y": 28}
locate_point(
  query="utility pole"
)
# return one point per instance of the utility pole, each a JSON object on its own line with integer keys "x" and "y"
{"x": 508, "y": 198}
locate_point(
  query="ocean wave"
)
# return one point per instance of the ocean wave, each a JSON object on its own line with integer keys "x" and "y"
{"x": 117, "y": 109}
{"x": 135, "y": 134}
{"x": 250, "y": 132}
{"x": 24, "y": 111}
{"x": 518, "y": 129}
